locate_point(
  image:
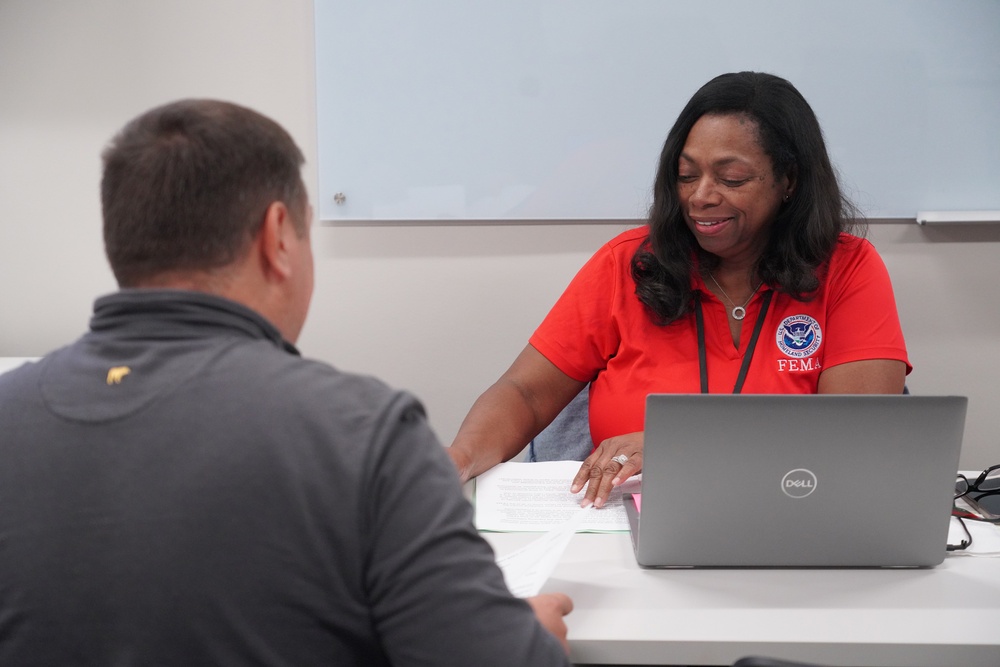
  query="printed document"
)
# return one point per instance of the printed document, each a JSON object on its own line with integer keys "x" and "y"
{"x": 535, "y": 497}
{"x": 526, "y": 570}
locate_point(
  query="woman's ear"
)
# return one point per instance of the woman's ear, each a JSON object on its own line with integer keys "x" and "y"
{"x": 792, "y": 179}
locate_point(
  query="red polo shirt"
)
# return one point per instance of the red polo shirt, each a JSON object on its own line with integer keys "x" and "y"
{"x": 598, "y": 331}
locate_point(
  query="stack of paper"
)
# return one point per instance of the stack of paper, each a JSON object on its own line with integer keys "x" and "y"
{"x": 527, "y": 497}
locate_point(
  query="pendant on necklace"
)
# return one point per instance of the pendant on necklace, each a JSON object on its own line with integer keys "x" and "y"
{"x": 738, "y": 312}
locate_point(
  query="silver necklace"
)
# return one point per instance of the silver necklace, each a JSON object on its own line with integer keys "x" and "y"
{"x": 738, "y": 312}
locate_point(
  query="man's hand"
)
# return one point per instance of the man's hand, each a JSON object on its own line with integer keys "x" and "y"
{"x": 550, "y": 608}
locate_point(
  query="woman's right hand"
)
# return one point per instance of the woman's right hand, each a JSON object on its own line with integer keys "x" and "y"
{"x": 608, "y": 466}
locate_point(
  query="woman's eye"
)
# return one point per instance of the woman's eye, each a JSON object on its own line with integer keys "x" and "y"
{"x": 733, "y": 182}
{"x": 686, "y": 178}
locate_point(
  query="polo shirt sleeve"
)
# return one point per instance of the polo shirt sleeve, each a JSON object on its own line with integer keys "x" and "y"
{"x": 581, "y": 332}
{"x": 862, "y": 320}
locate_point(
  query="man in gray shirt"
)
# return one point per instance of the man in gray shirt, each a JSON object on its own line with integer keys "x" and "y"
{"x": 180, "y": 487}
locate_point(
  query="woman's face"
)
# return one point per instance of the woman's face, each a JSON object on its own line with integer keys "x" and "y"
{"x": 727, "y": 188}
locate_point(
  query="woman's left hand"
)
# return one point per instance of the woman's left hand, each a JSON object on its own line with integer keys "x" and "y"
{"x": 614, "y": 461}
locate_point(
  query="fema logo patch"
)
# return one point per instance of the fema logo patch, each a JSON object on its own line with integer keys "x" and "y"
{"x": 799, "y": 336}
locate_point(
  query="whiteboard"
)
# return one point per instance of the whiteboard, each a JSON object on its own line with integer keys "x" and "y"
{"x": 557, "y": 109}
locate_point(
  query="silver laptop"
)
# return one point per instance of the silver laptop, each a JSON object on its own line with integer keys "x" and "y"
{"x": 797, "y": 480}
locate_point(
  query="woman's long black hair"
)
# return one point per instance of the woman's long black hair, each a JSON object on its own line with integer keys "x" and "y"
{"x": 804, "y": 234}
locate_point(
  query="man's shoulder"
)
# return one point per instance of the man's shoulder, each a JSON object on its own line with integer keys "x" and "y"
{"x": 12, "y": 368}
{"x": 311, "y": 383}
{"x": 301, "y": 374}
{"x": 18, "y": 375}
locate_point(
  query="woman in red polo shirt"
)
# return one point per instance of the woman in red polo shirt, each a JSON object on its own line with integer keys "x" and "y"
{"x": 746, "y": 278}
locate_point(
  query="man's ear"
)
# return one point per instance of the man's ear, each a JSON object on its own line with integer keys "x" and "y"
{"x": 274, "y": 240}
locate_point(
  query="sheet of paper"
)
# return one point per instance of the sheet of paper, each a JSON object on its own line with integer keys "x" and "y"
{"x": 527, "y": 497}
{"x": 527, "y": 569}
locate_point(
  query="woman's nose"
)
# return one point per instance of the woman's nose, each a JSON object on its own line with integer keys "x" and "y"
{"x": 704, "y": 192}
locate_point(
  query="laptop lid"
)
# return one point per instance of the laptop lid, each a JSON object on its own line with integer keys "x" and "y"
{"x": 797, "y": 480}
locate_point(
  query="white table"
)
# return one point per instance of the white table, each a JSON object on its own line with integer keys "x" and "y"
{"x": 945, "y": 616}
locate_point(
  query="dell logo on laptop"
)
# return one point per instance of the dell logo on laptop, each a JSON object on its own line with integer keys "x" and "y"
{"x": 798, "y": 483}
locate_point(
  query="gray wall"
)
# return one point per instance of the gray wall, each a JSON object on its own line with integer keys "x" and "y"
{"x": 437, "y": 309}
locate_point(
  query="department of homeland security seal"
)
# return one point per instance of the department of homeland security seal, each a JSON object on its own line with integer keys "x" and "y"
{"x": 799, "y": 336}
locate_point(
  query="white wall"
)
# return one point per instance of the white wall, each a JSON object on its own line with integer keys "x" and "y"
{"x": 437, "y": 309}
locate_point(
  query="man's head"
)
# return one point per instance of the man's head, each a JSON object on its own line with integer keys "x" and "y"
{"x": 187, "y": 194}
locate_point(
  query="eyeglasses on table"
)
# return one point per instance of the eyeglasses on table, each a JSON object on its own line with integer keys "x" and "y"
{"x": 982, "y": 498}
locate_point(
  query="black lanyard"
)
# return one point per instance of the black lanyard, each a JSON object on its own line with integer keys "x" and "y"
{"x": 702, "y": 355}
